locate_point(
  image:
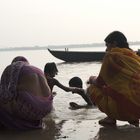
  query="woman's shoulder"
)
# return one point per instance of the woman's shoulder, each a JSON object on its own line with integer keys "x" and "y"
{"x": 28, "y": 69}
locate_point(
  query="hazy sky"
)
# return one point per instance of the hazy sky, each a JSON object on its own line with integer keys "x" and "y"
{"x": 59, "y": 22}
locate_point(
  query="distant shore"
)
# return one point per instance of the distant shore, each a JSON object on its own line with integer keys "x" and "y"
{"x": 59, "y": 46}
{"x": 23, "y": 48}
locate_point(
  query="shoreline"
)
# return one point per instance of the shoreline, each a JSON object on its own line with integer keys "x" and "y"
{"x": 75, "y": 130}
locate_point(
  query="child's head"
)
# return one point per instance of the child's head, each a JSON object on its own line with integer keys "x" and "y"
{"x": 76, "y": 82}
{"x": 50, "y": 69}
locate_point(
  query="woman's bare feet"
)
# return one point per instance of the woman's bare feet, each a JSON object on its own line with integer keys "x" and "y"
{"x": 107, "y": 121}
{"x": 135, "y": 123}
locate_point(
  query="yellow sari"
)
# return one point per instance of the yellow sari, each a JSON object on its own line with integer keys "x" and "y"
{"x": 117, "y": 92}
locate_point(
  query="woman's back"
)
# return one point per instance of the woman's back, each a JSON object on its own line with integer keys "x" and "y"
{"x": 32, "y": 79}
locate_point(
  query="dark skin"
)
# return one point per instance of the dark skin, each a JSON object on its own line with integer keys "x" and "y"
{"x": 54, "y": 82}
{"x": 28, "y": 82}
{"x": 81, "y": 92}
{"x": 84, "y": 95}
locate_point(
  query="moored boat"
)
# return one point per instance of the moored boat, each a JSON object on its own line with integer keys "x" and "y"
{"x": 78, "y": 56}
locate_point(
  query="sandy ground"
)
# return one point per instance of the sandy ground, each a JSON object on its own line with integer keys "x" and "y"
{"x": 75, "y": 130}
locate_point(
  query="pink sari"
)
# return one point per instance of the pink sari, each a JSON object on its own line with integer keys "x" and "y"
{"x": 21, "y": 109}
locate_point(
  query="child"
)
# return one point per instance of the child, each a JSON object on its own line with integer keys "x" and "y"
{"x": 77, "y": 82}
{"x": 50, "y": 70}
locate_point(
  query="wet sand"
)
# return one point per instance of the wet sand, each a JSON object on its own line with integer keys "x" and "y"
{"x": 72, "y": 129}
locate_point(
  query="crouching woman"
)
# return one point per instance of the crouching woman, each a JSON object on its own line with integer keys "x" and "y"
{"x": 25, "y": 97}
{"x": 116, "y": 90}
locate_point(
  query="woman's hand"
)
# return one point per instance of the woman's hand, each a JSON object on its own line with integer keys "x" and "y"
{"x": 92, "y": 80}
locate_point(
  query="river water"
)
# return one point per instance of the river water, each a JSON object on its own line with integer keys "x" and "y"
{"x": 63, "y": 123}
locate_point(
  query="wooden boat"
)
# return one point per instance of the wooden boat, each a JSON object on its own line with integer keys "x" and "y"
{"x": 77, "y": 56}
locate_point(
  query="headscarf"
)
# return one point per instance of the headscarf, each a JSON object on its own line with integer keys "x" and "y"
{"x": 20, "y": 58}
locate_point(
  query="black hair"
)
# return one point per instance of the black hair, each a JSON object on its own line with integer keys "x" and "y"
{"x": 50, "y": 67}
{"x": 119, "y": 38}
{"x": 76, "y": 82}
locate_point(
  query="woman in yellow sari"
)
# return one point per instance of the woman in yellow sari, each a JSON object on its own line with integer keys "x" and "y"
{"x": 116, "y": 90}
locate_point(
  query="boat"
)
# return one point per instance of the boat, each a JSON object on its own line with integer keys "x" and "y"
{"x": 77, "y": 56}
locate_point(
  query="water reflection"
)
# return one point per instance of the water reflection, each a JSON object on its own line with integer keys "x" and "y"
{"x": 125, "y": 132}
{"x": 50, "y": 132}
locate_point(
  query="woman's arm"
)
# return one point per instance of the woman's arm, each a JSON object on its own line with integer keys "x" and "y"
{"x": 92, "y": 80}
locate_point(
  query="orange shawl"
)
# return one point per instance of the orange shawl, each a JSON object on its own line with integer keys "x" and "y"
{"x": 117, "y": 92}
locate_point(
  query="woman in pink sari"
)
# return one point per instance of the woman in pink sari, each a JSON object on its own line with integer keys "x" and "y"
{"x": 25, "y": 97}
